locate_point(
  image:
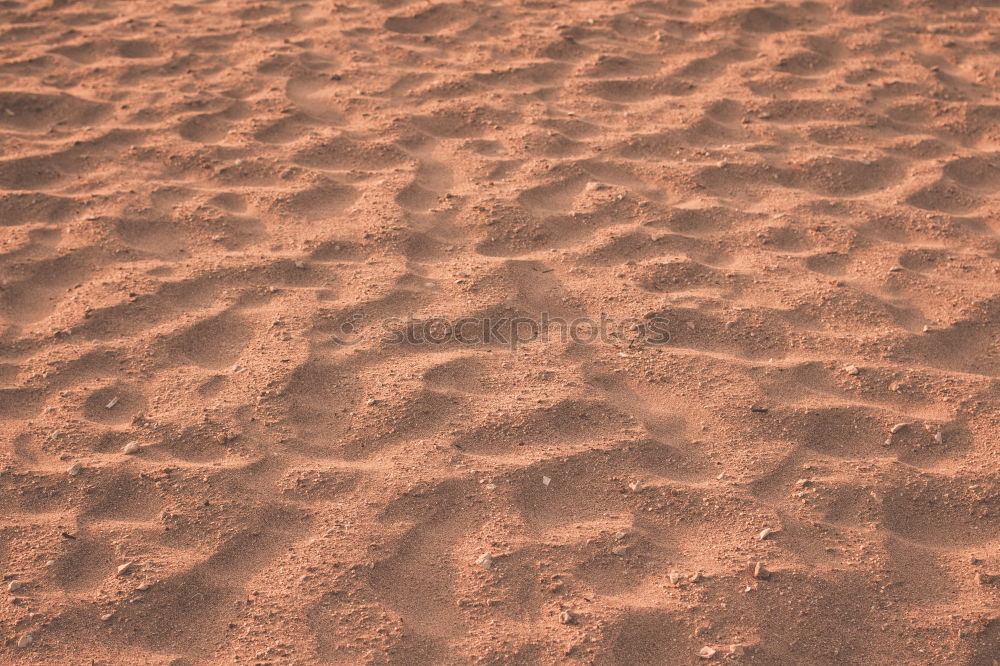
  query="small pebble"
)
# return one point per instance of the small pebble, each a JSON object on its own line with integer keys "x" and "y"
{"x": 107, "y": 617}
{"x": 143, "y": 587}
{"x": 851, "y": 370}
{"x": 766, "y": 532}
{"x": 485, "y": 561}
{"x": 546, "y": 480}
{"x": 15, "y": 585}
{"x": 760, "y": 572}
{"x": 111, "y": 404}
{"x": 636, "y": 486}
{"x": 131, "y": 448}
{"x": 567, "y": 617}
{"x": 75, "y": 469}
{"x": 25, "y": 641}
{"x": 896, "y": 428}
{"x": 706, "y": 652}
{"x": 675, "y": 578}
{"x": 125, "y": 569}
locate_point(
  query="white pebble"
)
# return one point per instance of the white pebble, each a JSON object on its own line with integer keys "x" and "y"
{"x": 546, "y": 480}
{"x": 75, "y": 469}
{"x": 760, "y": 571}
{"x": 131, "y": 448}
{"x": 485, "y": 561}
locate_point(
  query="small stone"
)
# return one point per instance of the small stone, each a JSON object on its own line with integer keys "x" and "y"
{"x": 766, "y": 532}
{"x": 896, "y": 428}
{"x": 675, "y": 578}
{"x": 760, "y": 571}
{"x": 546, "y": 480}
{"x": 706, "y": 652}
{"x": 567, "y": 617}
{"x": 926, "y": 329}
{"x": 75, "y": 469}
{"x": 25, "y": 640}
{"x": 107, "y": 617}
{"x": 985, "y": 578}
{"x": 143, "y": 587}
{"x": 737, "y": 650}
{"x": 111, "y": 403}
{"x": 125, "y": 569}
{"x": 697, "y": 577}
{"x": 851, "y": 370}
{"x": 636, "y": 486}
{"x": 300, "y": 264}
{"x": 938, "y": 438}
{"x": 131, "y": 448}
{"x": 485, "y": 561}
{"x": 15, "y": 585}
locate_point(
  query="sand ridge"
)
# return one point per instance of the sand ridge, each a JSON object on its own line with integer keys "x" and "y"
{"x": 213, "y": 212}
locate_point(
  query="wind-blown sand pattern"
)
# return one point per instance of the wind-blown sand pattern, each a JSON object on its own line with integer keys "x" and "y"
{"x": 197, "y": 198}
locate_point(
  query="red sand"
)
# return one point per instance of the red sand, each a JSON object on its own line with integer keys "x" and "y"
{"x": 196, "y": 199}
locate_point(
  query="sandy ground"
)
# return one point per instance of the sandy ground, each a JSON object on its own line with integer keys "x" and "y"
{"x": 214, "y": 213}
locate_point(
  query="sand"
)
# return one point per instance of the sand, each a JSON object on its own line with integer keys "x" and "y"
{"x": 238, "y": 239}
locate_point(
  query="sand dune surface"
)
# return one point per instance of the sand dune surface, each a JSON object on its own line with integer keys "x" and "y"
{"x": 614, "y": 332}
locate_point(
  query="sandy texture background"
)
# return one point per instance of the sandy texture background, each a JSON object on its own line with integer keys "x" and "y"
{"x": 211, "y": 454}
